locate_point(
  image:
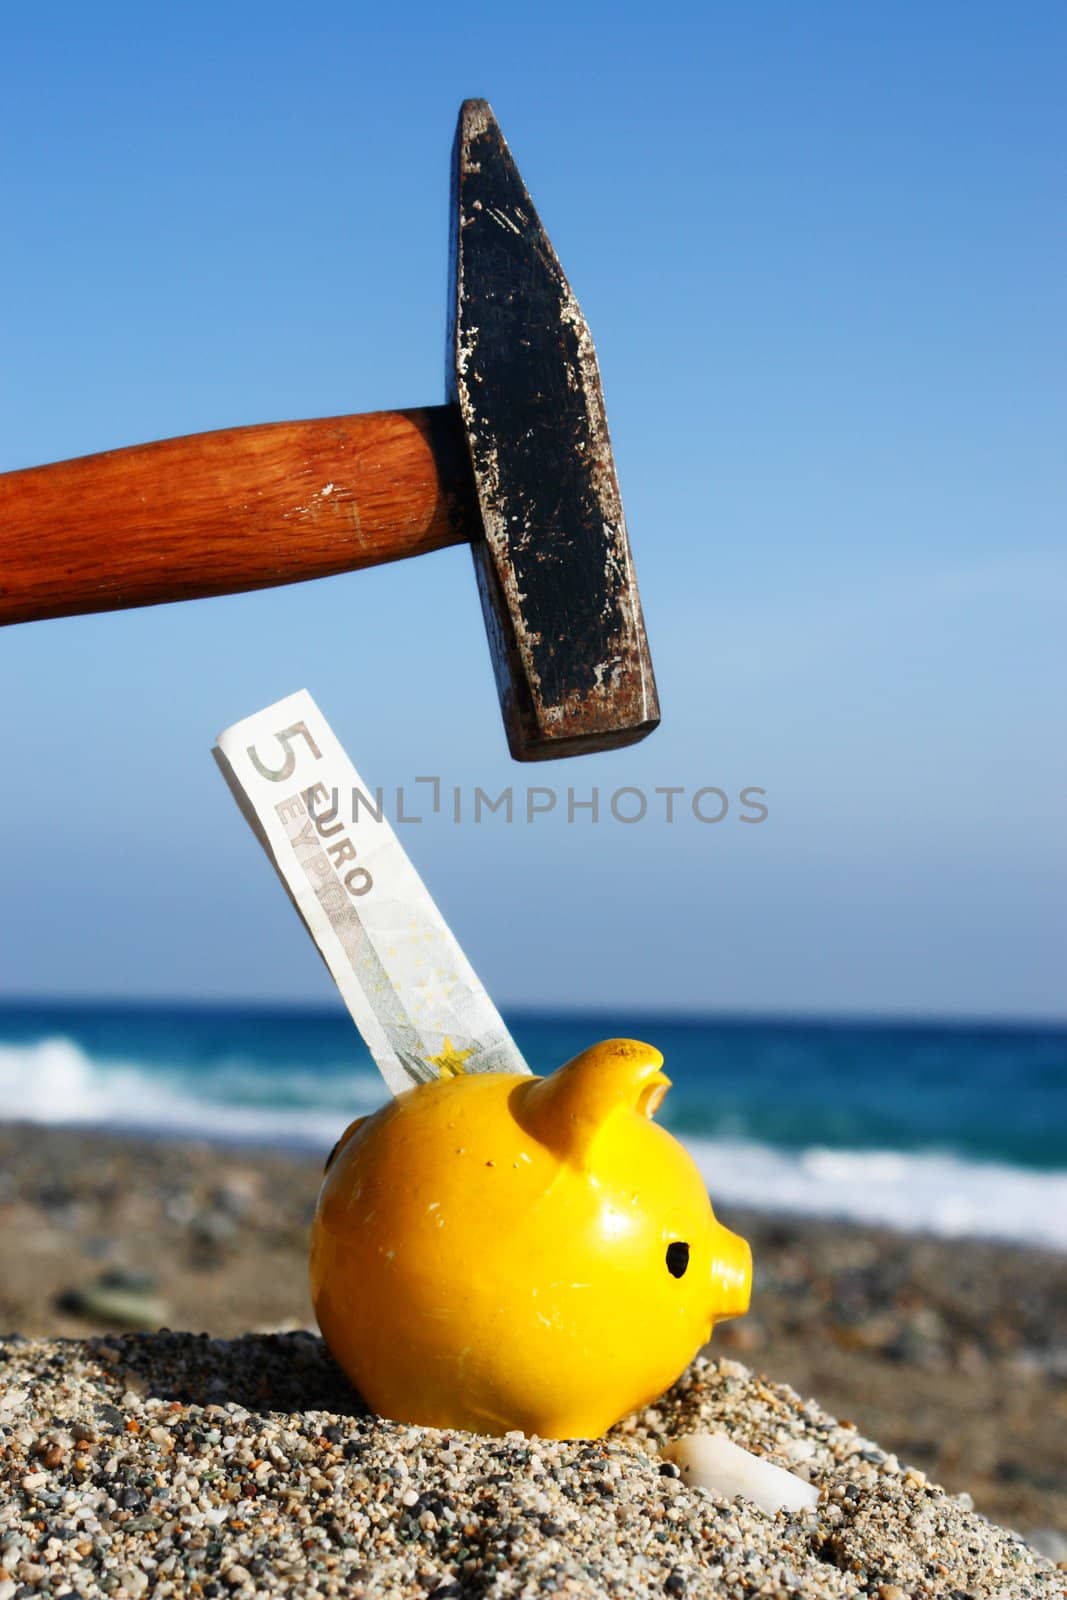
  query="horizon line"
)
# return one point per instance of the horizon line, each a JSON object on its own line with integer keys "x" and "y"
{"x": 676, "y": 1015}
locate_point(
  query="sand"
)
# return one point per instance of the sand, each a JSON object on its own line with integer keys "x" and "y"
{"x": 250, "y": 1455}
{"x": 165, "y": 1465}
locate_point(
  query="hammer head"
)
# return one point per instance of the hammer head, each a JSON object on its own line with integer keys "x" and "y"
{"x": 553, "y": 558}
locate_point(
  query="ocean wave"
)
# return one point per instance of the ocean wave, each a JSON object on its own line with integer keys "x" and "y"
{"x": 912, "y": 1191}
{"x": 55, "y": 1081}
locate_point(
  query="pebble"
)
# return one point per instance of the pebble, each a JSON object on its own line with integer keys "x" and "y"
{"x": 714, "y": 1462}
{"x": 115, "y": 1297}
{"x": 1050, "y": 1543}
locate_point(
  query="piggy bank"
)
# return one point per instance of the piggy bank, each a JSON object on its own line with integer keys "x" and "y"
{"x": 500, "y": 1251}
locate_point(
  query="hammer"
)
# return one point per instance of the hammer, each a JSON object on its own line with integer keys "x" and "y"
{"x": 517, "y": 463}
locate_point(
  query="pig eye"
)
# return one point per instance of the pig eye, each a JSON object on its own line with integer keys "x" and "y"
{"x": 677, "y": 1258}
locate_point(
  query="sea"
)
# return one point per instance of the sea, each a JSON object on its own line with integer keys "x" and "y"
{"x": 951, "y": 1129}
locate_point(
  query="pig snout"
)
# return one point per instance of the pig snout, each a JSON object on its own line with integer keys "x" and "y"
{"x": 731, "y": 1275}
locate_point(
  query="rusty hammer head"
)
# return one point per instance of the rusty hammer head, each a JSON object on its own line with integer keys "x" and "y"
{"x": 553, "y": 560}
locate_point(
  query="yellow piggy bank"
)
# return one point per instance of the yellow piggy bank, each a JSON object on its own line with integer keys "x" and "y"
{"x": 497, "y": 1251}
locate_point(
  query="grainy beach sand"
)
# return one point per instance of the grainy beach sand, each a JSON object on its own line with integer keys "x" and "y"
{"x": 137, "y": 1463}
{"x": 167, "y": 1464}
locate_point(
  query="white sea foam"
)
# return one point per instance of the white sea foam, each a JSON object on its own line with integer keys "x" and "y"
{"x": 915, "y": 1191}
{"x": 55, "y": 1081}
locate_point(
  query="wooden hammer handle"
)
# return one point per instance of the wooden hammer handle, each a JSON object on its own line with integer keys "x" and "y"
{"x": 243, "y": 508}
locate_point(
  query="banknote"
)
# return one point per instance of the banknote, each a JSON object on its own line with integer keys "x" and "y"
{"x": 411, "y": 991}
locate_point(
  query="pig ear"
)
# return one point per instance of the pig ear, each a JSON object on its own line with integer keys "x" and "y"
{"x": 352, "y": 1128}
{"x": 566, "y": 1111}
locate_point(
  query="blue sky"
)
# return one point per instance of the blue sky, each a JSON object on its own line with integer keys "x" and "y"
{"x": 822, "y": 254}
